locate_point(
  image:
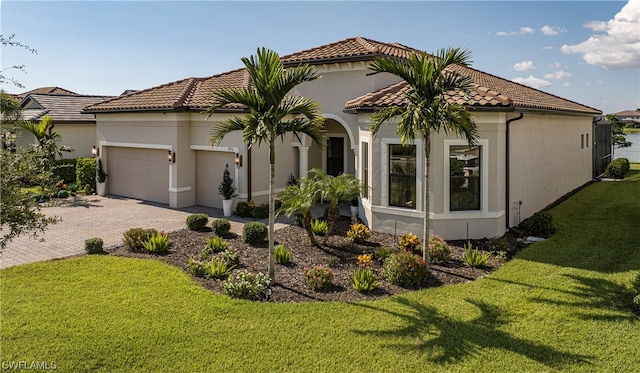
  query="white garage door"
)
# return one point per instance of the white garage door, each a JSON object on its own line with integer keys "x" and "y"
{"x": 209, "y": 169}
{"x": 138, "y": 173}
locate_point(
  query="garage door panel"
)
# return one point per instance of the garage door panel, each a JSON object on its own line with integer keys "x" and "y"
{"x": 209, "y": 169}
{"x": 139, "y": 173}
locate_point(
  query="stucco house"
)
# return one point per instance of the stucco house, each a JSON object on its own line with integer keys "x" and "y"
{"x": 533, "y": 147}
{"x": 77, "y": 129}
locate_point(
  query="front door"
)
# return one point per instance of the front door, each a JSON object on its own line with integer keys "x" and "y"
{"x": 335, "y": 156}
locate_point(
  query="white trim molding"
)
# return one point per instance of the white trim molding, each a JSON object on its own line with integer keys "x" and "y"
{"x": 384, "y": 168}
{"x": 484, "y": 182}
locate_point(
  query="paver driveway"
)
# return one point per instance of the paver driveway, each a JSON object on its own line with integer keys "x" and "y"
{"x": 94, "y": 216}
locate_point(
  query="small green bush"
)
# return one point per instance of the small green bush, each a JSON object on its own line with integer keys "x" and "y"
{"x": 243, "y": 210}
{"x": 382, "y": 253}
{"x": 474, "y": 258}
{"x": 64, "y": 169}
{"x": 158, "y": 243}
{"x": 499, "y": 244}
{"x": 260, "y": 212}
{"x": 617, "y": 168}
{"x": 221, "y": 227}
{"x": 358, "y": 233}
{"x": 333, "y": 261}
{"x": 281, "y": 254}
{"x": 219, "y": 268}
{"x": 93, "y": 245}
{"x": 197, "y": 222}
{"x": 439, "y": 250}
{"x": 319, "y": 227}
{"x": 409, "y": 242}
{"x": 135, "y": 238}
{"x": 216, "y": 244}
{"x": 254, "y": 233}
{"x": 636, "y": 304}
{"x": 86, "y": 173}
{"x": 63, "y": 194}
{"x": 197, "y": 268}
{"x": 541, "y": 225}
{"x": 230, "y": 256}
{"x": 318, "y": 278}
{"x": 246, "y": 285}
{"x": 364, "y": 280}
{"x": 406, "y": 269}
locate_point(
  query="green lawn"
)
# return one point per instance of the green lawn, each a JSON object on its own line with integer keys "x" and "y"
{"x": 562, "y": 304}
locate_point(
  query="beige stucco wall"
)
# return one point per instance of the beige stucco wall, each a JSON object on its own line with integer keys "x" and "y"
{"x": 80, "y": 137}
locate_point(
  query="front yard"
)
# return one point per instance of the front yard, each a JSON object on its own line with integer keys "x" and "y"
{"x": 561, "y": 304}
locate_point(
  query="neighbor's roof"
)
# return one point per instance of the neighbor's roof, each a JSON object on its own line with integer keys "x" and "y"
{"x": 195, "y": 93}
{"x": 63, "y": 108}
{"x": 627, "y": 113}
{"x": 45, "y": 90}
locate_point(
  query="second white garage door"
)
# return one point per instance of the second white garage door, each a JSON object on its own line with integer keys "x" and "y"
{"x": 138, "y": 173}
{"x": 209, "y": 169}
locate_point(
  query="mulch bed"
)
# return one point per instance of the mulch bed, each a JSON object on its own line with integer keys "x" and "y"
{"x": 290, "y": 281}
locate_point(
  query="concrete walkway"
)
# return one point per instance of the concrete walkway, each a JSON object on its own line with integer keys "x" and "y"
{"x": 105, "y": 217}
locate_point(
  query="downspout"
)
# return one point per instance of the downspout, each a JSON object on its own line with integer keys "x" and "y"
{"x": 249, "y": 173}
{"x": 507, "y": 151}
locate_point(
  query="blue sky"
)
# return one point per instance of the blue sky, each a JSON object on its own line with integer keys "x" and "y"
{"x": 585, "y": 51}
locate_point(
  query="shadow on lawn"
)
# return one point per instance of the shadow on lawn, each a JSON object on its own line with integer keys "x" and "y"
{"x": 446, "y": 340}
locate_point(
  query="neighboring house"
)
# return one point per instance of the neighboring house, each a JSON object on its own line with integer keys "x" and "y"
{"x": 46, "y": 91}
{"x": 533, "y": 147}
{"x": 629, "y": 117}
{"x": 76, "y": 128}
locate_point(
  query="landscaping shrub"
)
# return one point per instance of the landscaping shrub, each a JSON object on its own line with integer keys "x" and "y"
{"x": 65, "y": 170}
{"x": 230, "y": 256}
{"x": 216, "y": 244}
{"x": 281, "y": 254}
{"x": 135, "y": 238}
{"x": 406, "y": 269}
{"x": 333, "y": 261}
{"x": 636, "y": 304}
{"x": 86, "y": 173}
{"x": 260, "y": 212}
{"x": 254, "y": 233}
{"x": 243, "y": 210}
{"x": 246, "y": 285}
{"x": 499, "y": 244}
{"x": 63, "y": 194}
{"x": 364, "y": 280}
{"x": 197, "y": 222}
{"x": 221, "y": 227}
{"x": 541, "y": 225}
{"x": 382, "y": 253}
{"x": 474, "y": 258}
{"x": 617, "y": 168}
{"x": 318, "y": 278}
{"x": 439, "y": 250}
{"x": 409, "y": 242}
{"x": 93, "y": 245}
{"x": 197, "y": 268}
{"x": 365, "y": 260}
{"x": 218, "y": 268}
{"x": 358, "y": 233}
{"x": 157, "y": 243}
{"x": 319, "y": 227}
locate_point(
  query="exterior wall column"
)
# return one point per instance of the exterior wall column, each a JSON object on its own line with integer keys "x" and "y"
{"x": 303, "y": 157}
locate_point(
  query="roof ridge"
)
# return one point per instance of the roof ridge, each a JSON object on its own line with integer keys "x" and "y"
{"x": 367, "y": 43}
{"x": 114, "y": 98}
{"x": 186, "y": 92}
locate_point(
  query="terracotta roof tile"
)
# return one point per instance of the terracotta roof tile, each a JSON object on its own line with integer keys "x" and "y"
{"x": 63, "y": 108}
{"x": 46, "y": 90}
{"x": 195, "y": 93}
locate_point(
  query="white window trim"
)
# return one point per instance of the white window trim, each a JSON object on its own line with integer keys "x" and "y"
{"x": 484, "y": 186}
{"x": 366, "y": 139}
{"x": 384, "y": 184}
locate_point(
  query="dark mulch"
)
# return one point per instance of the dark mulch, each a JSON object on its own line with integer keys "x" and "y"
{"x": 290, "y": 280}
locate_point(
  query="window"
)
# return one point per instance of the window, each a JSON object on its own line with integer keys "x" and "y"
{"x": 464, "y": 177}
{"x": 365, "y": 169}
{"x": 582, "y": 141}
{"x": 587, "y": 143}
{"x": 402, "y": 176}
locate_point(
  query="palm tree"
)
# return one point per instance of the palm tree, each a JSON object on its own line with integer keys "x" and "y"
{"x": 47, "y": 139}
{"x": 299, "y": 199}
{"x": 426, "y": 109}
{"x": 270, "y": 113}
{"x": 341, "y": 188}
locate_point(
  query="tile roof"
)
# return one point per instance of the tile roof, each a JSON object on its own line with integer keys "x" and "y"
{"x": 45, "y": 90}
{"x": 63, "y": 108}
{"x": 491, "y": 91}
{"x": 627, "y": 113}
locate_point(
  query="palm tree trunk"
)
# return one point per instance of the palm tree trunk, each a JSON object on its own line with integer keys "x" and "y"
{"x": 306, "y": 224}
{"x": 427, "y": 202}
{"x": 272, "y": 212}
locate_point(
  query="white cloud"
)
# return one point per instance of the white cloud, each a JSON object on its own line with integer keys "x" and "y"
{"x": 619, "y": 47}
{"x": 560, "y": 74}
{"x": 551, "y": 30}
{"x": 532, "y": 81}
{"x": 566, "y": 84}
{"x": 522, "y": 31}
{"x": 524, "y": 65}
